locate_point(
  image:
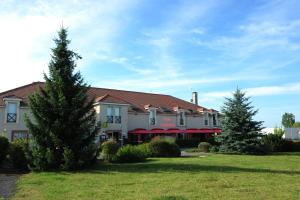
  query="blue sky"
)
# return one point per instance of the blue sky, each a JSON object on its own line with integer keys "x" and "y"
{"x": 165, "y": 46}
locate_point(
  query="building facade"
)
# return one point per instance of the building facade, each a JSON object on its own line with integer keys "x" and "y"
{"x": 124, "y": 115}
{"x": 292, "y": 133}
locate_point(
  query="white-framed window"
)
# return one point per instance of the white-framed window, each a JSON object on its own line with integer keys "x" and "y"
{"x": 11, "y": 112}
{"x": 109, "y": 115}
{"x": 214, "y": 119}
{"x": 117, "y": 112}
{"x": 152, "y": 116}
{"x": 181, "y": 118}
{"x": 19, "y": 135}
{"x": 206, "y": 119}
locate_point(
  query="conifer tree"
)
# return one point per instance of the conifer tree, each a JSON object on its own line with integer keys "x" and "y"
{"x": 240, "y": 133}
{"x": 63, "y": 127}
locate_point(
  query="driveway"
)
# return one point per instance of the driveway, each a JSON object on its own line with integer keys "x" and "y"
{"x": 8, "y": 185}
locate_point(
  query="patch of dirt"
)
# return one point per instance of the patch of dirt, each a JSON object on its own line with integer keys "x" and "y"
{"x": 193, "y": 154}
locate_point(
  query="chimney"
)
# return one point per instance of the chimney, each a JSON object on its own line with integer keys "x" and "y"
{"x": 195, "y": 98}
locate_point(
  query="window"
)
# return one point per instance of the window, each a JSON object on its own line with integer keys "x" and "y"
{"x": 117, "y": 115}
{"x": 206, "y": 119}
{"x": 19, "y": 135}
{"x": 181, "y": 118}
{"x": 109, "y": 115}
{"x": 214, "y": 120}
{"x": 11, "y": 113}
{"x": 152, "y": 117}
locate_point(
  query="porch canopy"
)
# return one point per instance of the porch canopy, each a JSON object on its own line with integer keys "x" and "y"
{"x": 140, "y": 131}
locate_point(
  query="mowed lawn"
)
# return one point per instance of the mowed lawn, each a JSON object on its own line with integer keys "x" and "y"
{"x": 214, "y": 176}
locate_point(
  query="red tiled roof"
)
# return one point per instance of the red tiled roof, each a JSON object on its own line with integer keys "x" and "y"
{"x": 110, "y": 99}
{"x": 137, "y": 100}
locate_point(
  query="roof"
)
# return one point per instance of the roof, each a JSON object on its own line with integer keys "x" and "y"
{"x": 137, "y": 100}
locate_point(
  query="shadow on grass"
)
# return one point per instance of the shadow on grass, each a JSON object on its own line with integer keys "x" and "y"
{"x": 152, "y": 167}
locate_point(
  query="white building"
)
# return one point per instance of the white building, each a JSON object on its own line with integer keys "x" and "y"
{"x": 292, "y": 133}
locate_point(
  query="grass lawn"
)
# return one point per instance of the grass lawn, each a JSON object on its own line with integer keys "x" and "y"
{"x": 211, "y": 177}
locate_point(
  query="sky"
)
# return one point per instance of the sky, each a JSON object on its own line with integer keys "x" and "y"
{"x": 164, "y": 46}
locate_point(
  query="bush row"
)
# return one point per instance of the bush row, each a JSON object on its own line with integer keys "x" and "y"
{"x": 157, "y": 147}
{"x": 14, "y": 152}
{"x": 4, "y": 144}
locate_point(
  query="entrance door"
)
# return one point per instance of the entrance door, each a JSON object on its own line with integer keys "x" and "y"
{"x": 115, "y": 135}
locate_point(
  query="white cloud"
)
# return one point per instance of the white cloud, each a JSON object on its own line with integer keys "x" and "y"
{"x": 163, "y": 82}
{"x": 291, "y": 89}
{"x": 27, "y": 30}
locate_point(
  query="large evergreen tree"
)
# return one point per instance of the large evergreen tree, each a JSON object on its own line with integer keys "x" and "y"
{"x": 240, "y": 133}
{"x": 64, "y": 126}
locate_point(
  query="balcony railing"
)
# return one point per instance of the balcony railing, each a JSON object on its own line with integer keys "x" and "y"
{"x": 11, "y": 117}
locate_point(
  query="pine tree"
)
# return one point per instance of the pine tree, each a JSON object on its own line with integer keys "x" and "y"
{"x": 240, "y": 133}
{"x": 64, "y": 126}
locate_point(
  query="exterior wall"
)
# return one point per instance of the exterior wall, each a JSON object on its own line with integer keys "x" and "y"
{"x": 141, "y": 120}
{"x": 292, "y": 133}
{"x": 129, "y": 121}
{"x": 8, "y": 128}
{"x": 195, "y": 122}
{"x": 101, "y": 116}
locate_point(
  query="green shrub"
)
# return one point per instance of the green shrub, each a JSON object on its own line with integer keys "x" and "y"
{"x": 290, "y": 146}
{"x": 204, "y": 146}
{"x": 130, "y": 154}
{"x": 258, "y": 149}
{"x": 214, "y": 149}
{"x": 109, "y": 149}
{"x": 145, "y": 149}
{"x": 163, "y": 148}
{"x": 17, "y": 155}
{"x": 274, "y": 141}
{"x": 187, "y": 143}
{"x": 4, "y": 144}
{"x": 279, "y": 131}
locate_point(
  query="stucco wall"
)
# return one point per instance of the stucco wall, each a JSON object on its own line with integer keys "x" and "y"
{"x": 129, "y": 121}
{"x": 122, "y": 127}
{"x": 7, "y": 128}
{"x": 292, "y": 133}
{"x": 141, "y": 120}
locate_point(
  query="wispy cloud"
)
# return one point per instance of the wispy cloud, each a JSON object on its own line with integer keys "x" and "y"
{"x": 291, "y": 88}
{"x": 27, "y": 30}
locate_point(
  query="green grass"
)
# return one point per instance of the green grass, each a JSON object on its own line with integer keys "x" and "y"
{"x": 212, "y": 177}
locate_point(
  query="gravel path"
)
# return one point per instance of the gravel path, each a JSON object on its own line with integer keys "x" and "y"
{"x": 8, "y": 185}
{"x": 193, "y": 154}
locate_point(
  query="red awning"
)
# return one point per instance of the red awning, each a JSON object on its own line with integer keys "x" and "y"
{"x": 217, "y": 130}
{"x": 139, "y": 131}
{"x": 157, "y": 131}
{"x": 194, "y": 130}
{"x": 174, "y": 131}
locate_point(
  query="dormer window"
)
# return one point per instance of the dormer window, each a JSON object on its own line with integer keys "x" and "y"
{"x": 117, "y": 115}
{"x": 214, "y": 120}
{"x": 109, "y": 115}
{"x": 181, "y": 118}
{"x": 11, "y": 112}
{"x": 152, "y": 116}
{"x": 206, "y": 119}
